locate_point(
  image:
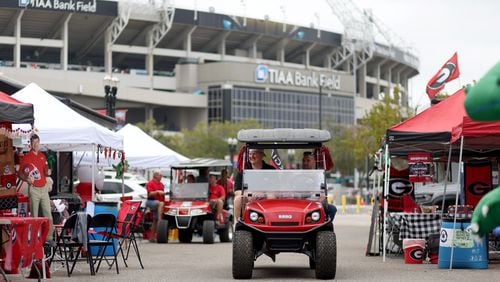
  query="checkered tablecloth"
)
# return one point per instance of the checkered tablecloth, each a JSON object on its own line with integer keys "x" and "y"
{"x": 417, "y": 225}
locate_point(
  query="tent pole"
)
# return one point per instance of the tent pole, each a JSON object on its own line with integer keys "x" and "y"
{"x": 446, "y": 180}
{"x": 386, "y": 190}
{"x": 123, "y": 175}
{"x": 92, "y": 173}
{"x": 459, "y": 183}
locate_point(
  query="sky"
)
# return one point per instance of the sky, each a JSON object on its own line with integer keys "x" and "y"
{"x": 435, "y": 29}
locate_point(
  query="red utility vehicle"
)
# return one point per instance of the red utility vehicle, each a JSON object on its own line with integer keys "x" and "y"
{"x": 188, "y": 208}
{"x": 283, "y": 210}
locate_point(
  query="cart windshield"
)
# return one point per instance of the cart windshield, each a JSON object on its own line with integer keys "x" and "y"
{"x": 284, "y": 183}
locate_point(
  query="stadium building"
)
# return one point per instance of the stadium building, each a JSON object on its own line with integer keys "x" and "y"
{"x": 182, "y": 66}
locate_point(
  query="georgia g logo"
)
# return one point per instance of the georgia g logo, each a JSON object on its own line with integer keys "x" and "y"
{"x": 417, "y": 254}
{"x": 478, "y": 188}
{"x": 399, "y": 187}
{"x": 444, "y": 74}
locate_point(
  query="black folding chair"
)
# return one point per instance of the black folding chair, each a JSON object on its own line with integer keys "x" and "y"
{"x": 102, "y": 225}
{"x": 71, "y": 246}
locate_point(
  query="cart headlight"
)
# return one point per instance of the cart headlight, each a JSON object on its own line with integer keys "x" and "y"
{"x": 313, "y": 217}
{"x": 253, "y": 216}
{"x": 256, "y": 217}
{"x": 172, "y": 212}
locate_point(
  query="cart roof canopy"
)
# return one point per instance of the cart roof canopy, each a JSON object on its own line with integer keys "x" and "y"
{"x": 284, "y": 135}
{"x": 202, "y": 162}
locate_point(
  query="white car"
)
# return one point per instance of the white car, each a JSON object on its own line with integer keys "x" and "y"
{"x": 112, "y": 191}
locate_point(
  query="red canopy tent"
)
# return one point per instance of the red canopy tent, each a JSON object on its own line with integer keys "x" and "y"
{"x": 14, "y": 111}
{"x": 441, "y": 125}
{"x": 442, "y": 128}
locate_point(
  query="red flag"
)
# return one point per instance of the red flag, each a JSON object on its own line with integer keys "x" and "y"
{"x": 448, "y": 72}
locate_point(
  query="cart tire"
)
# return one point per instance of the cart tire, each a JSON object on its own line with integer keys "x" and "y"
{"x": 185, "y": 235}
{"x": 208, "y": 231}
{"x": 243, "y": 255}
{"x": 226, "y": 234}
{"x": 326, "y": 255}
{"x": 162, "y": 231}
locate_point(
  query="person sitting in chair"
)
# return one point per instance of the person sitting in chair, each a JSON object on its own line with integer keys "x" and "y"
{"x": 216, "y": 198}
{"x": 156, "y": 201}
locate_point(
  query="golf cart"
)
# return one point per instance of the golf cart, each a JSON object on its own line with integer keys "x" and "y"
{"x": 188, "y": 208}
{"x": 283, "y": 210}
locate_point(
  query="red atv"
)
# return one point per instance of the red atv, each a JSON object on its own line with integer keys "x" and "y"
{"x": 283, "y": 210}
{"x": 189, "y": 209}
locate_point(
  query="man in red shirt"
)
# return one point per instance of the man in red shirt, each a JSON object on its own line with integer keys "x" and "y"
{"x": 156, "y": 200}
{"x": 34, "y": 170}
{"x": 216, "y": 197}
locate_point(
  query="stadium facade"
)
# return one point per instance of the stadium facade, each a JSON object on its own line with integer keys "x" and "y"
{"x": 182, "y": 66}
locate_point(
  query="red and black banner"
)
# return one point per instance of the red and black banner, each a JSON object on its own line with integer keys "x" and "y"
{"x": 276, "y": 160}
{"x": 477, "y": 182}
{"x": 448, "y": 72}
{"x": 420, "y": 167}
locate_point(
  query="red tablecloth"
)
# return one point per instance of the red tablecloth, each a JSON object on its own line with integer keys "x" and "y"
{"x": 22, "y": 240}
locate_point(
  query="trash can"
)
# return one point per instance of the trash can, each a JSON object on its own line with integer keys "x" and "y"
{"x": 467, "y": 253}
{"x": 104, "y": 208}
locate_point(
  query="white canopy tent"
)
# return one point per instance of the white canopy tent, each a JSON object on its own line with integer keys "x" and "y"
{"x": 141, "y": 152}
{"x": 61, "y": 128}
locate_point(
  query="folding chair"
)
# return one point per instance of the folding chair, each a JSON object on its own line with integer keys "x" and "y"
{"x": 126, "y": 222}
{"x": 394, "y": 244}
{"x": 71, "y": 246}
{"x": 103, "y": 225}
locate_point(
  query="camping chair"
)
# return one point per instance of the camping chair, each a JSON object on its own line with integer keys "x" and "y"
{"x": 126, "y": 221}
{"x": 103, "y": 225}
{"x": 70, "y": 245}
{"x": 394, "y": 244}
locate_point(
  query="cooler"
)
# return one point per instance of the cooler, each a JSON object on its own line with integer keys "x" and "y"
{"x": 467, "y": 253}
{"x": 414, "y": 250}
{"x": 100, "y": 208}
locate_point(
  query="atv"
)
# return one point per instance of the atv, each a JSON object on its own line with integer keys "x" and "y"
{"x": 283, "y": 210}
{"x": 188, "y": 207}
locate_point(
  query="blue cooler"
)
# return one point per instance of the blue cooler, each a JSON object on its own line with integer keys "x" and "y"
{"x": 100, "y": 208}
{"x": 467, "y": 253}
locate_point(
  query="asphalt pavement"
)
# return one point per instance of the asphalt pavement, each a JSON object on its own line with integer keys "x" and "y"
{"x": 200, "y": 262}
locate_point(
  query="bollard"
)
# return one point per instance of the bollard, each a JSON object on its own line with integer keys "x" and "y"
{"x": 358, "y": 203}
{"x": 344, "y": 204}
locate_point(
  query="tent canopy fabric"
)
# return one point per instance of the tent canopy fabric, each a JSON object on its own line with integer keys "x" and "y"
{"x": 442, "y": 124}
{"x": 14, "y": 111}
{"x": 62, "y": 129}
{"x": 141, "y": 152}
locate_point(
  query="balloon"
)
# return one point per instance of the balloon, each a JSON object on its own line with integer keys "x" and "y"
{"x": 99, "y": 181}
{"x": 482, "y": 102}
{"x": 485, "y": 217}
{"x": 85, "y": 173}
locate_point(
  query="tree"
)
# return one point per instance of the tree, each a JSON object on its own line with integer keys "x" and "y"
{"x": 352, "y": 144}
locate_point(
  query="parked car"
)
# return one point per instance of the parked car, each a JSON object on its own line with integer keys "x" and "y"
{"x": 112, "y": 190}
{"x": 433, "y": 194}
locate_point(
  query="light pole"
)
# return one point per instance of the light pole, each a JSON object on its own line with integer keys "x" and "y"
{"x": 110, "y": 90}
{"x": 291, "y": 155}
{"x": 232, "y": 142}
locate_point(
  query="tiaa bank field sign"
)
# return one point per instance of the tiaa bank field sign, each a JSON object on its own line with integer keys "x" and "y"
{"x": 264, "y": 74}
{"x": 84, "y": 6}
